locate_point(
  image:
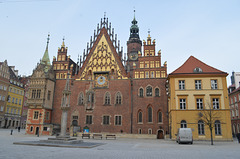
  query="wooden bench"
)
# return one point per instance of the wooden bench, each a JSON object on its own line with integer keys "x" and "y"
{"x": 97, "y": 136}
{"x": 86, "y": 136}
{"x": 111, "y": 136}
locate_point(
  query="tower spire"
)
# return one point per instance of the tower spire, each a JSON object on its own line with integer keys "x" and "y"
{"x": 134, "y": 30}
{"x": 45, "y": 60}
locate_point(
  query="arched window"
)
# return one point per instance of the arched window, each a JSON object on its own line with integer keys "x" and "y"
{"x": 201, "y": 127}
{"x": 149, "y": 91}
{"x": 183, "y": 124}
{"x": 139, "y": 131}
{"x": 157, "y": 93}
{"x": 141, "y": 92}
{"x": 150, "y": 131}
{"x": 140, "y": 117}
{"x": 107, "y": 98}
{"x": 118, "y": 98}
{"x": 159, "y": 117}
{"x": 149, "y": 114}
{"x": 80, "y": 99}
{"x": 217, "y": 127}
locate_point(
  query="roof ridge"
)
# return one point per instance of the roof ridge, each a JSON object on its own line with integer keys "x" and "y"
{"x": 191, "y": 63}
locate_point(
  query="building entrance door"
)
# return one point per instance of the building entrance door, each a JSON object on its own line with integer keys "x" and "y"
{"x": 5, "y": 126}
{"x": 37, "y": 130}
{"x": 160, "y": 134}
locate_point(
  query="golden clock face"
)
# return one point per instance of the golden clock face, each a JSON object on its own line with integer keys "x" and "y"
{"x": 101, "y": 80}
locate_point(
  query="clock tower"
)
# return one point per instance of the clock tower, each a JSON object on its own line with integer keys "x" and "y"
{"x": 134, "y": 45}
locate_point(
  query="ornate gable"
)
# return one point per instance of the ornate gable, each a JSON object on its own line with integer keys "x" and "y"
{"x": 103, "y": 58}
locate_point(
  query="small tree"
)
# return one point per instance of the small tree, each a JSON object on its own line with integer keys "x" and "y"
{"x": 209, "y": 115}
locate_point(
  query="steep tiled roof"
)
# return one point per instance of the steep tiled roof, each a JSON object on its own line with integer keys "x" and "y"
{"x": 192, "y": 63}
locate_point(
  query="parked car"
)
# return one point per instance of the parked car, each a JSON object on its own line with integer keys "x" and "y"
{"x": 184, "y": 135}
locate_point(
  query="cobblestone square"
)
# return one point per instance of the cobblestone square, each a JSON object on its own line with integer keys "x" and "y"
{"x": 119, "y": 148}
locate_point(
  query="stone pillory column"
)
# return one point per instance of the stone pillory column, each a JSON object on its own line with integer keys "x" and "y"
{"x": 65, "y": 107}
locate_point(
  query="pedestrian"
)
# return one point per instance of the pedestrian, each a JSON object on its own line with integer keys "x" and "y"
{"x": 238, "y": 137}
{"x": 11, "y": 131}
{"x": 19, "y": 129}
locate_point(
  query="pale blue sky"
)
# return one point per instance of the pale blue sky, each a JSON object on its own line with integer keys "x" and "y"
{"x": 206, "y": 29}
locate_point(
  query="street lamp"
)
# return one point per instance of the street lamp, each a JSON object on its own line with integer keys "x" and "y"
{"x": 39, "y": 124}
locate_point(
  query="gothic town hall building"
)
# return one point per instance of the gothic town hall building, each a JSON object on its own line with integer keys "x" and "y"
{"x": 109, "y": 93}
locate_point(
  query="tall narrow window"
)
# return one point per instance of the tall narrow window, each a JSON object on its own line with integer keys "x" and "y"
{"x": 118, "y": 98}
{"x": 47, "y": 115}
{"x": 198, "y": 84}
{"x": 88, "y": 119}
{"x": 80, "y": 99}
{"x": 140, "y": 117}
{"x": 152, "y": 74}
{"x": 106, "y": 120}
{"x": 199, "y": 103}
{"x": 201, "y": 127}
{"x": 159, "y": 117}
{"x": 38, "y": 93}
{"x": 214, "y": 84}
{"x": 217, "y": 127}
{"x": 181, "y": 84}
{"x": 35, "y": 115}
{"x": 149, "y": 114}
{"x": 146, "y": 74}
{"x": 107, "y": 98}
{"x": 136, "y": 74}
{"x": 141, "y": 92}
{"x": 33, "y": 93}
{"x": 215, "y": 102}
{"x": 182, "y": 103}
{"x": 118, "y": 120}
{"x": 183, "y": 124}
{"x": 149, "y": 91}
{"x": 157, "y": 94}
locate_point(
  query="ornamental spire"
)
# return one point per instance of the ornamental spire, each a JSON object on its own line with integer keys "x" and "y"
{"x": 63, "y": 44}
{"x": 45, "y": 60}
{"x": 134, "y": 31}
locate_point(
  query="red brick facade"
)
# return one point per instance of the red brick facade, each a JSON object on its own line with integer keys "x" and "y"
{"x": 107, "y": 95}
{"x": 123, "y": 118}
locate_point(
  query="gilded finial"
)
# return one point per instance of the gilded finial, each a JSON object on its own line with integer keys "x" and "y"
{"x": 160, "y": 51}
{"x": 134, "y": 12}
{"x": 63, "y": 44}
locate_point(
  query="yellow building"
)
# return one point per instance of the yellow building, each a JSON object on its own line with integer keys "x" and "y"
{"x": 13, "y": 109}
{"x": 195, "y": 91}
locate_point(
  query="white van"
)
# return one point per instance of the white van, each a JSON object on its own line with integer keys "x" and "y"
{"x": 184, "y": 135}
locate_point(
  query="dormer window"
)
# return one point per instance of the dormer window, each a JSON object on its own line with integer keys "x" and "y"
{"x": 197, "y": 70}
